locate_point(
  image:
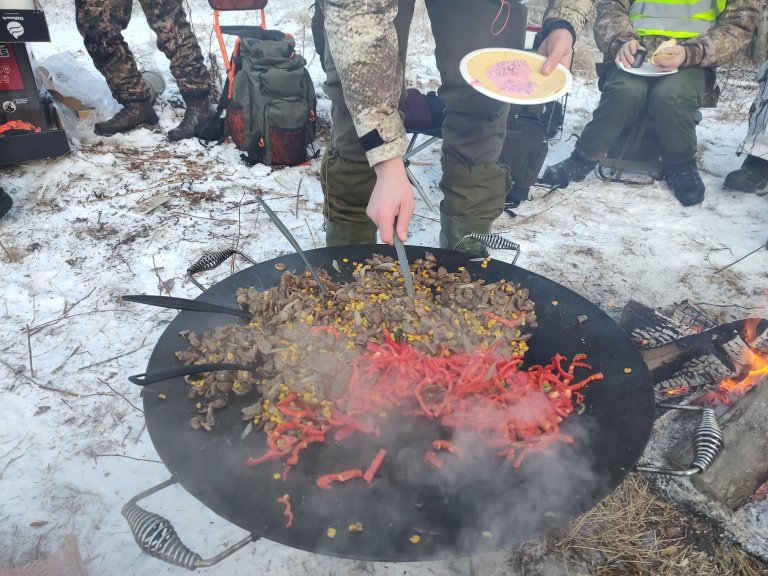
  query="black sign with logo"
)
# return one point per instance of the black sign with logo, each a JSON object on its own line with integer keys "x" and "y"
{"x": 23, "y": 26}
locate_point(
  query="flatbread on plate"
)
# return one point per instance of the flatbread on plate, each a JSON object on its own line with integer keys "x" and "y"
{"x": 514, "y": 76}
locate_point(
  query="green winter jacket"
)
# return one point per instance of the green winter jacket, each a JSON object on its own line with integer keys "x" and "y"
{"x": 731, "y": 33}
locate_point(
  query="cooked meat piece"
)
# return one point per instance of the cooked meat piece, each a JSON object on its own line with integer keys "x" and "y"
{"x": 304, "y": 340}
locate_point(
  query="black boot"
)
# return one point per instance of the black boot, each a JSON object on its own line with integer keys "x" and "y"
{"x": 5, "y": 203}
{"x": 133, "y": 115}
{"x": 573, "y": 169}
{"x": 685, "y": 182}
{"x": 751, "y": 177}
{"x": 197, "y": 112}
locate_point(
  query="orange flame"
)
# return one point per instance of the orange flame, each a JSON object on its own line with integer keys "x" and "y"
{"x": 731, "y": 389}
{"x": 750, "y": 328}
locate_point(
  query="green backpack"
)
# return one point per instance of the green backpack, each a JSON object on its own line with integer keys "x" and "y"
{"x": 268, "y": 104}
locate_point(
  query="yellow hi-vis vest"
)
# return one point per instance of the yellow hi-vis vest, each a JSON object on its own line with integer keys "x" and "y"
{"x": 674, "y": 18}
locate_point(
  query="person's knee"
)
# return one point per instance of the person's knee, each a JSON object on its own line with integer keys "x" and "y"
{"x": 674, "y": 96}
{"x": 626, "y": 91}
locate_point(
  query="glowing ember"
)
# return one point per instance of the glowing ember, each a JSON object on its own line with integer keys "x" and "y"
{"x": 673, "y": 392}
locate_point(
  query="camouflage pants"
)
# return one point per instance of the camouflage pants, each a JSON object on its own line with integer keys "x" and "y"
{"x": 101, "y": 23}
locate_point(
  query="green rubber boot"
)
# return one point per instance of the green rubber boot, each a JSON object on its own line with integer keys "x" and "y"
{"x": 473, "y": 199}
{"x": 347, "y": 187}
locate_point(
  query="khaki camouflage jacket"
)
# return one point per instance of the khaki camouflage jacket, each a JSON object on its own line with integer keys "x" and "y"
{"x": 732, "y": 32}
{"x": 362, "y": 37}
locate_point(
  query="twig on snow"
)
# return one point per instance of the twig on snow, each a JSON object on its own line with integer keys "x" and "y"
{"x": 29, "y": 351}
{"x": 36, "y": 383}
{"x": 67, "y": 310}
{"x": 163, "y": 285}
{"x": 298, "y": 194}
{"x": 59, "y": 390}
{"x": 100, "y": 362}
{"x": 121, "y": 396}
{"x": 8, "y": 253}
{"x": 129, "y": 458}
{"x": 11, "y": 461}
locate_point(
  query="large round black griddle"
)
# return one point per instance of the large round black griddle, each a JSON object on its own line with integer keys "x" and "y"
{"x": 478, "y": 504}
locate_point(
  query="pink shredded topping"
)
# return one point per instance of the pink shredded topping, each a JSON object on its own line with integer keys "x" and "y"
{"x": 512, "y": 78}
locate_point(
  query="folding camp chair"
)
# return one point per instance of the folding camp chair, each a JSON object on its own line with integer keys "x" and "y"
{"x": 423, "y": 115}
{"x": 637, "y": 150}
{"x": 241, "y": 31}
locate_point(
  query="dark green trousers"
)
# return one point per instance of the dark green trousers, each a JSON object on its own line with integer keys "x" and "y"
{"x": 670, "y": 102}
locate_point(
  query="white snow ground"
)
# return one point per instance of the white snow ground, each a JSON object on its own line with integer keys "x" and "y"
{"x": 73, "y": 447}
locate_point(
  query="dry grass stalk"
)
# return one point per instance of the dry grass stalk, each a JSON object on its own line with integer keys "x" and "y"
{"x": 633, "y": 532}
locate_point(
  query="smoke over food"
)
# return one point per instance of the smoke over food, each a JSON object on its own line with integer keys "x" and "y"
{"x": 328, "y": 365}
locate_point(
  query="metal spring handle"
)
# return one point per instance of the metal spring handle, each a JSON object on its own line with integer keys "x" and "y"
{"x": 157, "y": 537}
{"x": 493, "y": 241}
{"x": 708, "y": 442}
{"x": 211, "y": 260}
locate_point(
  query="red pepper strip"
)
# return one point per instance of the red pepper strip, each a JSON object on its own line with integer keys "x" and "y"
{"x": 297, "y": 413}
{"x": 374, "y": 466}
{"x": 434, "y": 459}
{"x": 324, "y": 328}
{"x": 270, "y": 455}
{"x": 294, "y": 459}
{"x": 326, "y": 480}
{"x": 505, "y": 321}
{"x": 288, "y": 512}
{"x": 343, "y": 433}
{"x": 290, "y": 397}
{"x": 338, "y": 417}
{"x": 587, "y": 380}
{"x": 447, "y": 446}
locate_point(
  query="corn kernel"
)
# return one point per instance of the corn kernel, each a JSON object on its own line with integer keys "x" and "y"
{"x": 415, "y": 539}
{"x": 277, "y": 476}
{"x": 331, "y": 532}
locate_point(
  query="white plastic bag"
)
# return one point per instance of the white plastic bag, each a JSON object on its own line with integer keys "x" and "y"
{"x": 72, "y": 79}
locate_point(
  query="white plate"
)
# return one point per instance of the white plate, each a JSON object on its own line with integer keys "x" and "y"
{"x": 647, "y": 69}
{"x": 514, "y": 76}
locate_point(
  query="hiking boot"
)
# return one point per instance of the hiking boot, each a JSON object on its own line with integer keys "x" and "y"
{"x": 751, "y": 177}
{"x": 573, "y": 169}
{"x": 197, "y": 112}
{"x": 133, "y": 115}
{"x": 685, "y": 182}
{"x": 515, "y": 195}
{"x": 6, "y": 203}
